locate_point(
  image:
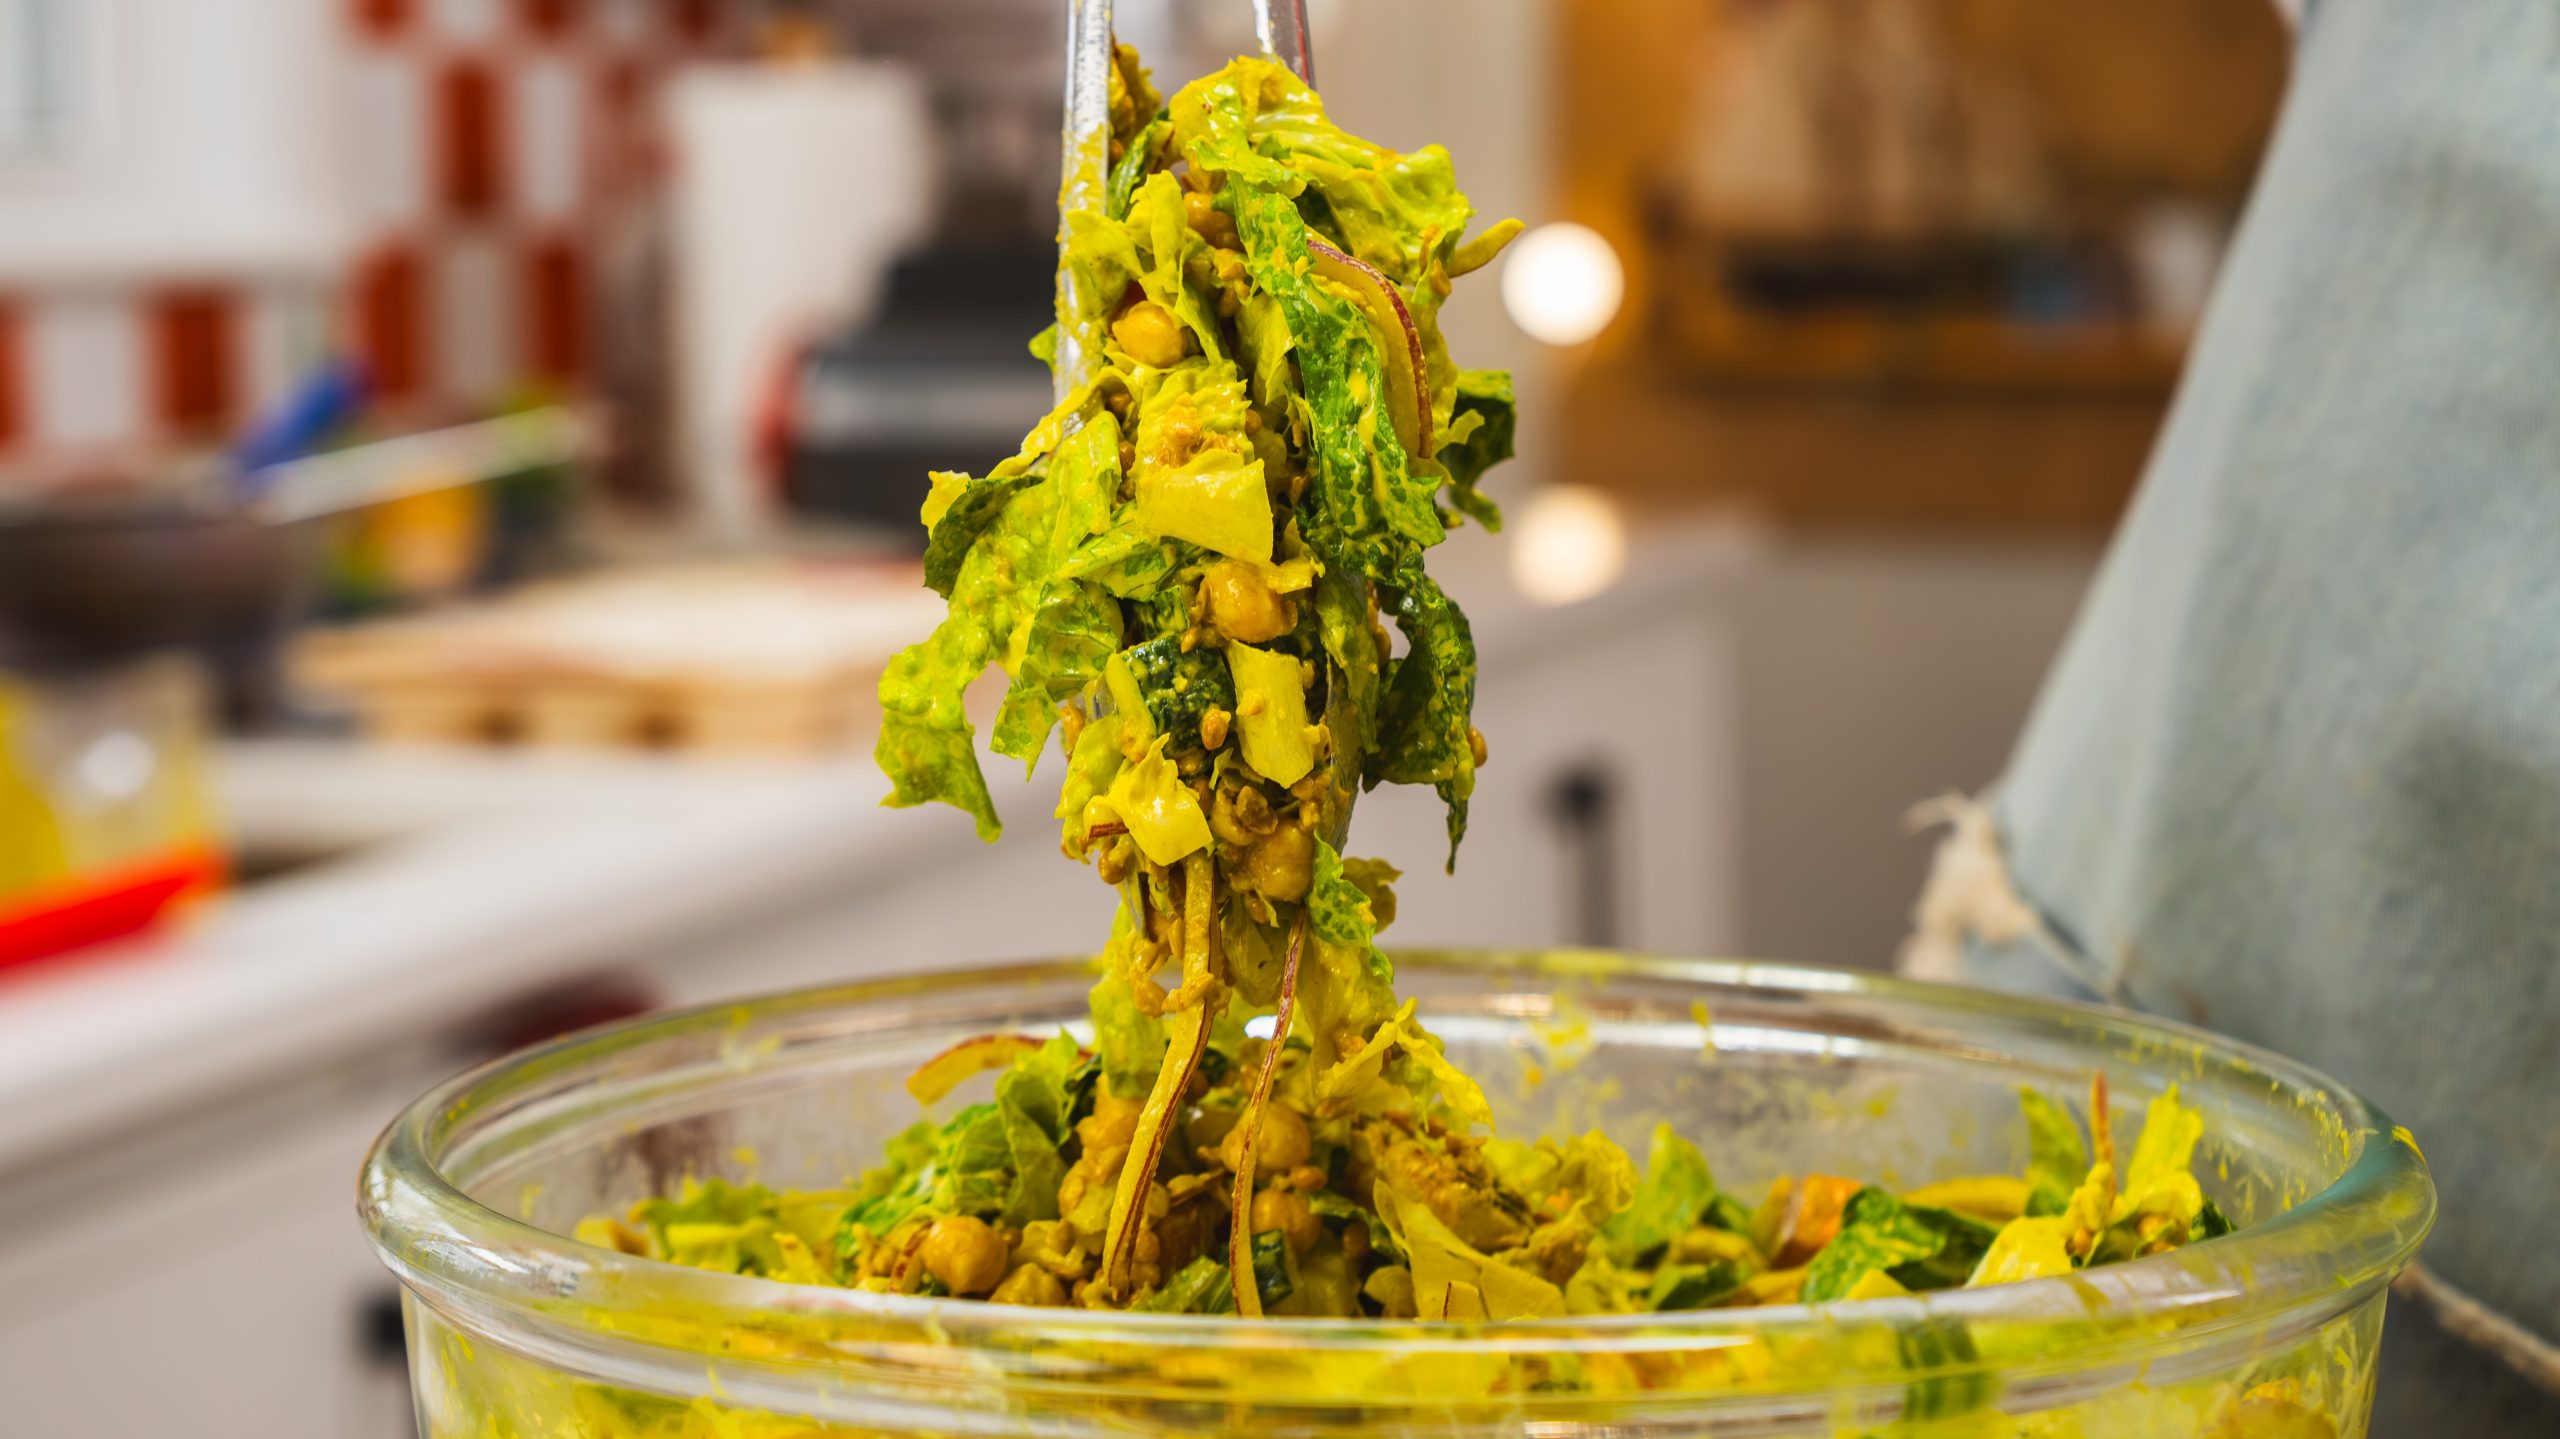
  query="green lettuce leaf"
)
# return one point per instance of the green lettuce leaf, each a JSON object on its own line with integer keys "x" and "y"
{"x": 976, "y": 507}
{"x": 1480, "y": 436}
{"x": 1213, "y": 125}
{"x": 1130, "y": 1044}
{"x": 2057, "y": 1156}
{"x": 1677, "y": 1188}
{"x": 1255, "y": 121}
{"x": 927, "y": 746}
{"x": 1127, "y": 560}
{"x": 1918, "y": 1246}
{"x": 1202, "y": 1286}
{"x": 1131, "y": 168}
{"x": 2211, "y": 1223}
{"x": 1262, "y": 331}
{"x": 1450, "y": 1274}
{"x": 1692, "y": 1286}
{"x": 1091, "y": 767}
{"x": 1175, "y": 252}
{"x": 1069, "y": 631}
{"x": 1034, "y": 1101}
{"x": 1425, "y": 733}
{"x": 1099, "y": 262}
{"x": 1942, "y": 1346}
{"x": 1072, "y": 636}
{"x": 1271, "y": 1269}
{"x": 1353, "y": 689}
{"x": 1339, "y": 910}
{"x": 2160, "y": 1199}
{"x": 1000, "y": 1161}
{"x": 2167, "y": 1147}
{"x": 713, "y": 1224}
{"x": 1402, "y": 214}
{"x": 888, "y": 1194}
{"x": 1344, "y": 515}
{"x": 1350, "y": 989}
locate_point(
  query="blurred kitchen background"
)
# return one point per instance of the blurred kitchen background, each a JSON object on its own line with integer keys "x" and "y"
{"x": 458, "y": 466}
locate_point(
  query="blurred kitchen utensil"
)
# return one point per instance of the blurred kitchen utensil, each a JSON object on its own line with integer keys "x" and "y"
{"x": 326, "y": 400}
{"x": 106, "y": 817}
{"x": 93, "y": 579}
{"x": 459, "y": 455}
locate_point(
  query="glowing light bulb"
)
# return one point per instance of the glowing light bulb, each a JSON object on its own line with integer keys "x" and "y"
{"x": 1570, "y": 544}
{"x": 1562, "y": 283}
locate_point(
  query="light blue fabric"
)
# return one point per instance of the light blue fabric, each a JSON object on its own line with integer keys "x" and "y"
{"x": 2297, "y": 774}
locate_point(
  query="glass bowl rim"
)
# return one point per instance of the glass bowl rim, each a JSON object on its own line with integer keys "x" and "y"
{"x": 466, "y": 1257}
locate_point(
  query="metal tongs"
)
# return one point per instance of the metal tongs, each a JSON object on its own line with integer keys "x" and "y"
{"x": 1281, "y": 27}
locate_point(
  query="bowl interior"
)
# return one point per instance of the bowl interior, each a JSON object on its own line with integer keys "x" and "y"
{"x": 1773, "y": 1070}
{"x": 1768, "y": 1079}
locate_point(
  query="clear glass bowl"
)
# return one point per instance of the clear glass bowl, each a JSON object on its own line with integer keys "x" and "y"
{"x": 518, "y": 1331}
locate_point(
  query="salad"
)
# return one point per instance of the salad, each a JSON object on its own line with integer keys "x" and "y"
{"x": 1189, "y": 575}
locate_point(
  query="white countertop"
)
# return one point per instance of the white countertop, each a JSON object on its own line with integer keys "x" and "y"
{"x": 472, "y": 876}
{"x": 478, "y": 876}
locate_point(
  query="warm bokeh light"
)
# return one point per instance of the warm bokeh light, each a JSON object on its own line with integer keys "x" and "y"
{"x": 1562, "y": 283}
{"x": 1570, "y": 544}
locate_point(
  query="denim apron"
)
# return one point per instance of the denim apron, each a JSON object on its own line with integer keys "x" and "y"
{"x": 2296, "y": 775}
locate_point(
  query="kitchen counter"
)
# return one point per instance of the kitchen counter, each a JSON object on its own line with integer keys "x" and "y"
{"x": 441, "y": 880}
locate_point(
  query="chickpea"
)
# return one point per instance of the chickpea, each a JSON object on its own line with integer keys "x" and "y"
{"x": 1241, "y": 605}
{"x": 1118, "y": 858}
{"x": 1355, "y": 1240}
{"x": 1215, "y": 225}
{"x": 1280, "y": 1143}
{"x": 1306, "y": 1178}
{"x": 1286, "y": 1210}
{"x": 1151, "y": 335}
{"x": 1476, "y": 746}
{"x": 1280, "y": 865}
{"x": 1030, "y": 1284}
{"x": 1213, "y": 727}
{"x": 964, "y": 1253}
{"x": 1240, "y": 815}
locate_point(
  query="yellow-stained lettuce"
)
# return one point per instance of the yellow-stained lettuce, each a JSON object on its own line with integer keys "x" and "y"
{"x": 1271, "y": 713}
{"x": 1162, "y": 814}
